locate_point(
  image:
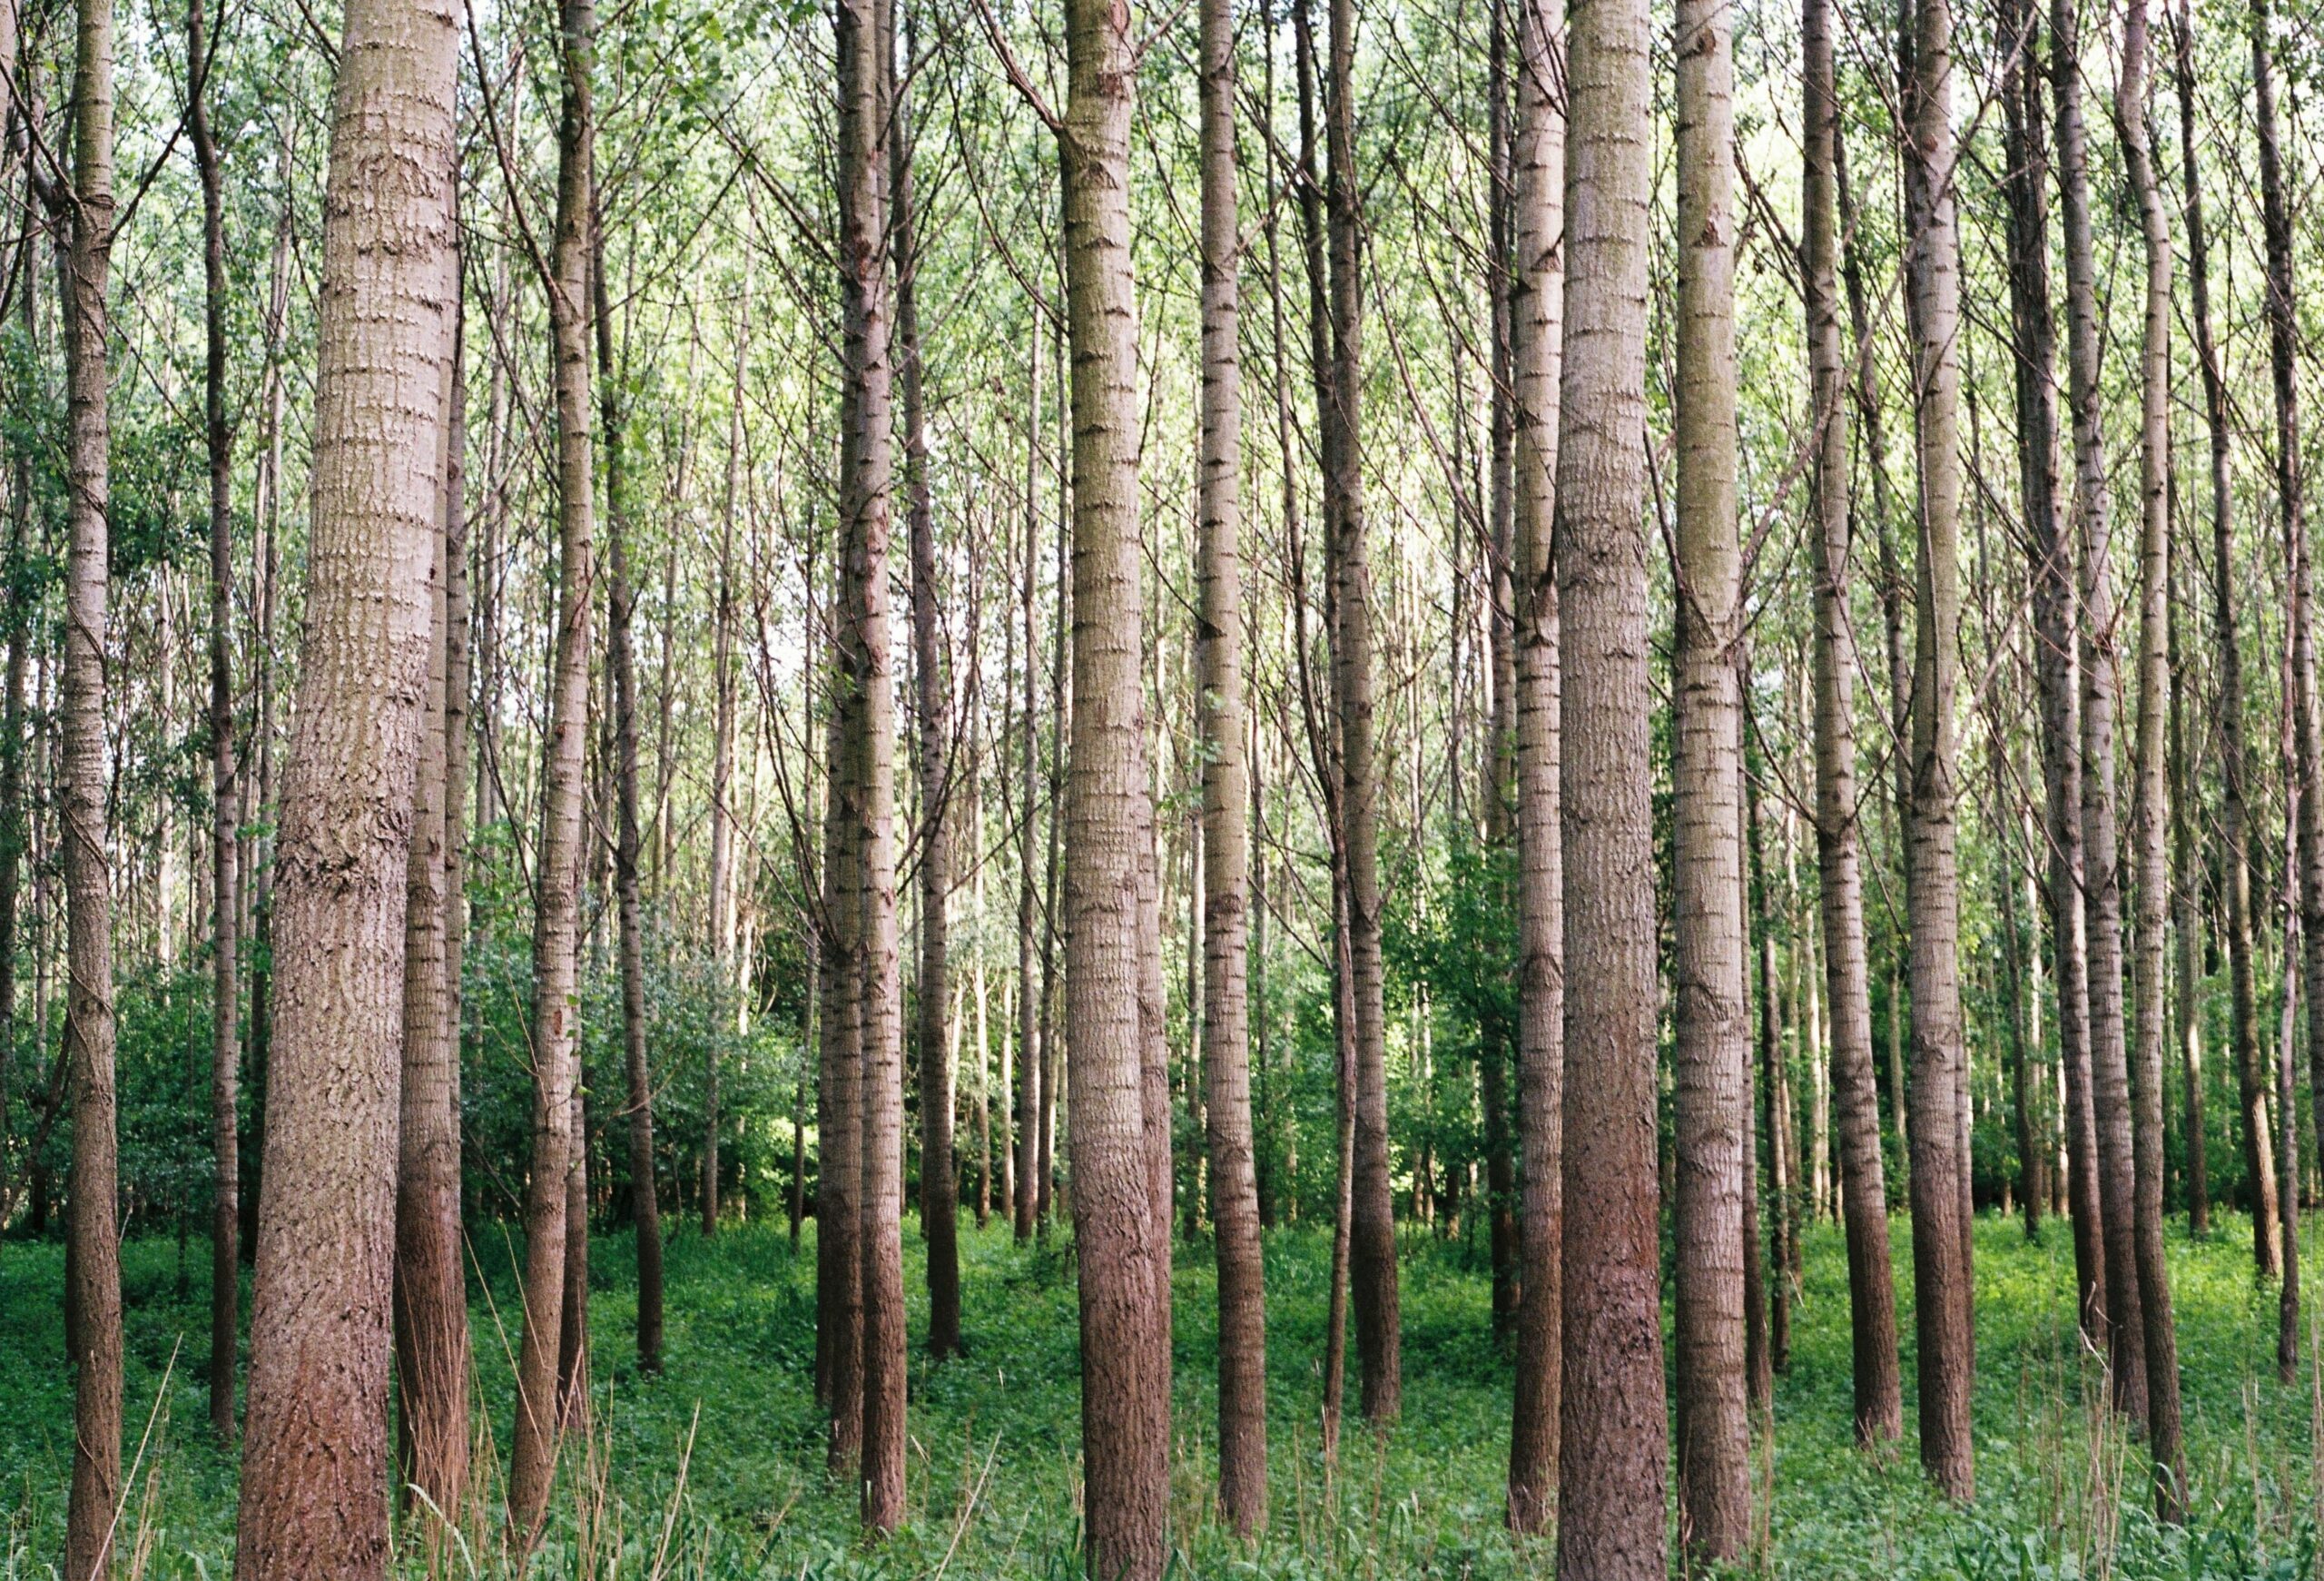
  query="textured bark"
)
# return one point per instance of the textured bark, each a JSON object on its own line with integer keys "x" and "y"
{"x": 1371, "y": 1232}
{"x": 1020, "y": 1166}
{"x": 314, "y": 1473}
{"x": 940, "y": 1202}
{"x": 2101, "y": 894}
{"x": 2308, "y": 728}
{"x": 556, "y": 901}
{"x": 867, "y": 792}
{"x": 15, "y": 819}
{"x": 1537, "y": 307}
{"x": 1109, "y": 812}
{"x": 1711, "y": 1063}
{"x": 1611, "y": 1424}
{"x": 92, "y": 1296}
{"x": 226, "y": 907}
{"x": 431, "y": 1312}
{"x": 1942, "y": 1296}
{"x": 1872, "y": 1292}
{"x": 1226, "y": 797}
{"x": 2159, "y": 1334}
{"x": 621, "y": 656}
{"x": 2057, "y": 664}
{"x": 2235, "y": 857}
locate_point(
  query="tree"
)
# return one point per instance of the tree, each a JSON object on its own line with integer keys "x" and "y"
{"x": 1942, "y": 1296}
{"x": 1711, "y": 1063}
{"x": 1536, "y": 311}
{"x": 1872, "y": 1291}
{"x": 1612, "y": 1435}
{"x": 1225, "y": 833}
{"x": 314, "y": 1473}
{"x": 556, "y": 901}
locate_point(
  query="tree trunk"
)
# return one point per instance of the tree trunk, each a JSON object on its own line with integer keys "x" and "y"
{"x": 314, "y": 1472}
{"x": 722, "y": 774}
{"x": 1872, "y": 1295}
{"x": 1711, "y": 1063}
{"x": 1109, "y": 811}
{"x": 621, "y": 654}
{"x": 1611, "y": 1424}
{"x": 939, "y": 1192}
{"x": 557, "y": 870}
{"x": 93, "y": 1294}
{"x": 1536, "y": 317}
{"x": 1020, "y": 1167}
{"x": 1372, "y": 1254}
{"x": 2160, "y": 1337}
{"x": 1783, "y": 1227}
{"x": 2186, "y": 901}
{"x": 1942, "y": 1296}
{"x": 1224, "y": 867}
{"x": 2123, "y": 1331}
{"x": 2243, "y": 1017}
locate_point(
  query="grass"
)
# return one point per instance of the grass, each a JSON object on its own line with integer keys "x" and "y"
{"x": 715, "y": 1469}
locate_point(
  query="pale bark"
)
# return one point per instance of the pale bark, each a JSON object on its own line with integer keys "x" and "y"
{"x": 314, "y": 1472}
{"x": 1613, "y": 1429}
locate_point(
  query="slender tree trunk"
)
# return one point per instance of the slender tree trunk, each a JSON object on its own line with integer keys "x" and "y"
{"x": 93, "y": 1297}
{"x": 1782, "y": 1226}
{"x": 621, "y": 654}
{"x": 1872, "y": 1295}
{"x": 722, "y": 773}
{"x": 2187, "y": 910}
{"x": 431, "y": 1310}
{"x": 868, "y": 802}
{"x": 1712, "y": 1061}
{"x": 1224, "y": 867}
{"x": 939, "y": 1192}
{"x": 15, "y": 812}
{"x": 2160, "y": 1336}
{"x": 2100, "y": 689}
{"x": 1536, "y": 317}
{"x": 2243, "y": 1011}
{"x": 1611, "y": 1424}
{"x": 1372, "y": 1256}
{"x": 557, "y": 869}
{"x": 225, "y": 1041}
{"x": 314, "y": 1471}
{"x": 1109, "y": 811}
{"x": 1020, "y": 1167}
{"x": 1942, "y": 1297}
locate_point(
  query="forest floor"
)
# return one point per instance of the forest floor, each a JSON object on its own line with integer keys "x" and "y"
{"x": 715, "y": 1469}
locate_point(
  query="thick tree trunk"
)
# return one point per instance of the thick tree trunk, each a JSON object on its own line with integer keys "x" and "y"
{"x": 1611, "y": 1424}
{"x": 2101, "y": 694}
{"x": 1109, "y": 812}
{"x": 225, "y": 1039}
{"x": 621, "y": 654}
{"x": 1712, "y": 1060}
{"x": 1536, "y": 316}
{"x": 938, "y": 1190}
{"x": 2235, "y": 819}
{"x": 1372, "y": 1254}
{"x": 1942, "y": 1296}
{"x": 557, "y": 871}
{"x": 1872, "y": 1294}
{"x": 93, "y": 1297}
{"x": 2159, "y": 1336}
{"x": 1224, "y": 867}
{"x": 314, "y": 1474}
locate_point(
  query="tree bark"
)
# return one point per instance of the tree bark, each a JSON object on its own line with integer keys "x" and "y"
{"x": 1224, "y": 867}
{"x": 1611, "y": 1424}
{"x": 1536, "y": 316}
{"x": 2159, "y": 1335}
{"x": 1872, "y": 1294}
{"x": 1711, "y": 1062}
{"x": 2101, "y": 894}
{"x": 1942, "y": 1296}
{"x": 1109, "y": 812}
{"x": 1020, "y": 1168}
{"x": 2243, "y": 1018}
{"x": 557, "y": 869}
{"x": 621, "y": 654}
{"x": 314, "y": 1474}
